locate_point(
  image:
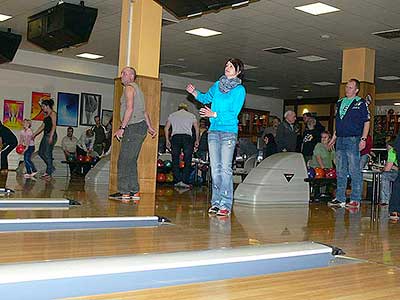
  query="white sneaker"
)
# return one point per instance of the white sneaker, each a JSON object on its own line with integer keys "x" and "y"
{"x": 336, "y": 203}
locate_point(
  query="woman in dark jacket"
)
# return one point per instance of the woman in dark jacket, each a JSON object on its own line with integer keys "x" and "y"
{"x": 270, "y": 145}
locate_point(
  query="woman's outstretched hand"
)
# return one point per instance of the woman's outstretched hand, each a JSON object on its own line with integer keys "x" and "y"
{"x": 191, "y": 89}
{"x": 207, "y": 112}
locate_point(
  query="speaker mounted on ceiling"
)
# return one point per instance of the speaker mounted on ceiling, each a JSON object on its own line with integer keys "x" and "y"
{"x": 9, "y": 43}
{"x": 62, "y": 26}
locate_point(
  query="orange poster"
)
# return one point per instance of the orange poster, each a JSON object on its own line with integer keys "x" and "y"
{"x": 36, "y": 111}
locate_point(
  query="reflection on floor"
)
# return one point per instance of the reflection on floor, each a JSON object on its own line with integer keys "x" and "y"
{"x": 363, "y": 234}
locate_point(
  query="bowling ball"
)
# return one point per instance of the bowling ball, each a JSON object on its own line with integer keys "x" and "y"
{"x": 311, "y": 172}
{"x": 160, "y": 163}
{"x": 95, "y": 159}
{"x": 20, "y": 149}
{"x": 71, "y": 157}
{"x": 319, "y": 173}
{"x": 167, "y": 165}
{"x": 181, "y": 156}
{"x": 169, "y": 177}
{"x": 161, "y": 177}
{"x": 81, "y": 158}
{"x": 330, "y": 173}
{"x": 181, "y": 164}
{"x": 88, "y": 158}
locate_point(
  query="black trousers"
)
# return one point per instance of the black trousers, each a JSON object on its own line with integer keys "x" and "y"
{"x": 4, "y": 155}
{"x": 181, "y": 142}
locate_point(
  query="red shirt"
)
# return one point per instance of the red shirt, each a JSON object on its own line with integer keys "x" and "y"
{"x": 368, "y": 146}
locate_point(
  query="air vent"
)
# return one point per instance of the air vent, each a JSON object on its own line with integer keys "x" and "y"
{"x": 172, "y": 66}
{"x": 388, "y": 34}
{"x": 279, "y": 50}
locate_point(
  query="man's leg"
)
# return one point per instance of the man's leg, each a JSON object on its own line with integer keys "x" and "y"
{"x": 353, "y": 157}
{"x": 175, "y": 153}
{"x": 188, "y": 153}
{"x": 341, "y": 169}
{"x": 386, "y": 190}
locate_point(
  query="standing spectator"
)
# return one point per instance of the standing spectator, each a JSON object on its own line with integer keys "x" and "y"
{"x": 99, "y": 136}
{"x": 85, "y": 143}
{"x": 352, "y": 127}
{"x": 26, "y": 139}
{"x": 227, "y": 97}
{"x": 389, "y": 174}
{"x": 323, "y": 157}
{"x": 181, "y": 122}
{"x": 8, "y": 141}
{"x": 135, "y": 124}
{"x": 394, "y": 203}
{"x": 311, "y": 137}
{"x": 288, "y": 133}
{"x": 318, "y": 125}
{"x": 202, "y": 150}
{"x": 49, "y": 138}
{"x": 270, "y": 145}
{"x": 273, "y": 128}
{"x": 68, "y": 145}
{"x": 365, "y": 153}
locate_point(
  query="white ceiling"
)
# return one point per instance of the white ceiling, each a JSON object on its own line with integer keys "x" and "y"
{"x": 246, "y": 31}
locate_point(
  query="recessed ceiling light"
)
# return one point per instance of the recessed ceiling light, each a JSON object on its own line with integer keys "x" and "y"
{"x": 323, "y": 83}
{"x": 390, "y": 77}
{"x": 181, "y": 59}
{"x": 325, "y": 36}
{"x": 397, "y": 103}
{"x": 249, "y": 67}
{"x": 268, "y": 88}
{"x": 194, "y": 15}
{"x": 204, "y": 32}
{"x": 90, "y": 55}
{"x": 317, "y": 8}
{"x": 4, "y": 17}
{"x": 191, "y": 74}
{"x": 306, "y": 90}
{"x": 312, "y": 58}
{"x": 240, "y": 3}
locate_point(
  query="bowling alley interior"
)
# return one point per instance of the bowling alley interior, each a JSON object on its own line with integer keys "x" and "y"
{"x": 193, "y": 149}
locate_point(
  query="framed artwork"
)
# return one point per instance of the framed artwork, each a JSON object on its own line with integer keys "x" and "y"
{"x": 13, "y": 114}
{"x": 67, "y": 109}
{"x": 36, "y": 110}
{"x": 90, "y": 108}
{"x": 106, "y": 116}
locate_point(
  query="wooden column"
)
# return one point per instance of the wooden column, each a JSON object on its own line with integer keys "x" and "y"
{"x": 359, "y": 63}
{"x": 140, "y": 41}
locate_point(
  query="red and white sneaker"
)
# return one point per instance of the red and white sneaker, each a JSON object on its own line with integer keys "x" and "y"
{"x": 223, "y": 212}
{"x": 353, "y": 204}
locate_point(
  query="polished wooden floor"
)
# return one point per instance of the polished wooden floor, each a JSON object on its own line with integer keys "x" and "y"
{"x": 365, "y": 234}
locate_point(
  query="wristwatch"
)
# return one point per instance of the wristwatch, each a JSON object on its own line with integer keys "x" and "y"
{"x": 363, "y": 139}
{"x": 123, "y": 128}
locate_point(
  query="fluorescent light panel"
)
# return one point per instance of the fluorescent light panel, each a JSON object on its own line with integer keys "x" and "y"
{"x": 389, "y": 78}
{"x": 397, "y": 103}
{"x": 317, "y": 8}
{"x": 204, "y": 32}
{"x": 90, "y": 55}
{"x": 268, "y": 88}
{"x": 195, "y": 15}
{"x": 4, "y": 17}
{"x": 323, "y": 83}
{"x": 240, "y": 3}
{"x": 191, "y": 74}
{"x": 312, "y": 58}
{"x": 249, "y": 67}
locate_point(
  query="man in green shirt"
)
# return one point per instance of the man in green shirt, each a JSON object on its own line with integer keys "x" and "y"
{"x": 389, "y": 174}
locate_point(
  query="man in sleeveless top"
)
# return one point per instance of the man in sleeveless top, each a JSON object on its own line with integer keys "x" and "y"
{"x": 181, "y": 122}
{"x": 135, "y": 123}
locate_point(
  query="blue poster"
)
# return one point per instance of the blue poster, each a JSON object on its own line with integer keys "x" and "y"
{"x": 67, "y": 109}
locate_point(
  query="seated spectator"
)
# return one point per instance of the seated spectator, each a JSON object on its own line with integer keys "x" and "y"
{"x": 85, "y": 143}
{"x": 68, "y": 145}
{"x": 322, "y": 156}
{"x": 270, "y": 145}
{"x": 311, "y": 137}
{"x": 389, "y": 174}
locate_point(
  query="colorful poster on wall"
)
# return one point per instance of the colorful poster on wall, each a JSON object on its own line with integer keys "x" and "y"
{"x": 67, "y": 109}
{"x": 13, "y": 114}
{"x": 36, "y": 110}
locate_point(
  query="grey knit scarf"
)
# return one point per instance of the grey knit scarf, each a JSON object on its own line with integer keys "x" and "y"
{"x": 226, "y": 84}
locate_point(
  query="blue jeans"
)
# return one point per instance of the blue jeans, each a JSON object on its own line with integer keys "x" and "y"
{"x": 221, "y": 147}
{"x": 386, "y": 189}
{"x": 363, "y": 161}
{"x": 348, "y": 163}
{"x": 30, "y": 167}
{"x": 46, "y": 152}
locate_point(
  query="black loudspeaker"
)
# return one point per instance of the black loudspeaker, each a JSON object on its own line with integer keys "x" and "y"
{"x": 9, "y": 43}
{"x": 61, "y": 26}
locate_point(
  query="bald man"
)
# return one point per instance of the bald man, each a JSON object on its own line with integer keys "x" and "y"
{"x": 135, "y": 124}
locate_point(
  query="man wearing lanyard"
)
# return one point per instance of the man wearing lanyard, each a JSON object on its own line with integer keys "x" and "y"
{"x": 352, "y": 127}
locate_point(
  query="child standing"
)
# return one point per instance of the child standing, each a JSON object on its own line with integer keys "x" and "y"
{"x": 26, "y": 139}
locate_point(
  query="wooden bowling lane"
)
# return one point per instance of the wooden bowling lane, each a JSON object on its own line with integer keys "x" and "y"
{"x": 354, "y": 281}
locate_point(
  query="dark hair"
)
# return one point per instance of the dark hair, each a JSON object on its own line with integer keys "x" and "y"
{"x": 326, "y": 132}
{"x": 276, "y": 118}
{"x": 308, "y": 114}
{"x": 47, "y": 102}
{"x": 357, "y": 82}
{"x": 271, "y": 138}
{"x": 239, "y": 66}
{"x": 69, "y": 127}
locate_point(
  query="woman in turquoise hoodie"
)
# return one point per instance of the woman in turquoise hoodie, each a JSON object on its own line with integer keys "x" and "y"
{"x": 226, "y": 96}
